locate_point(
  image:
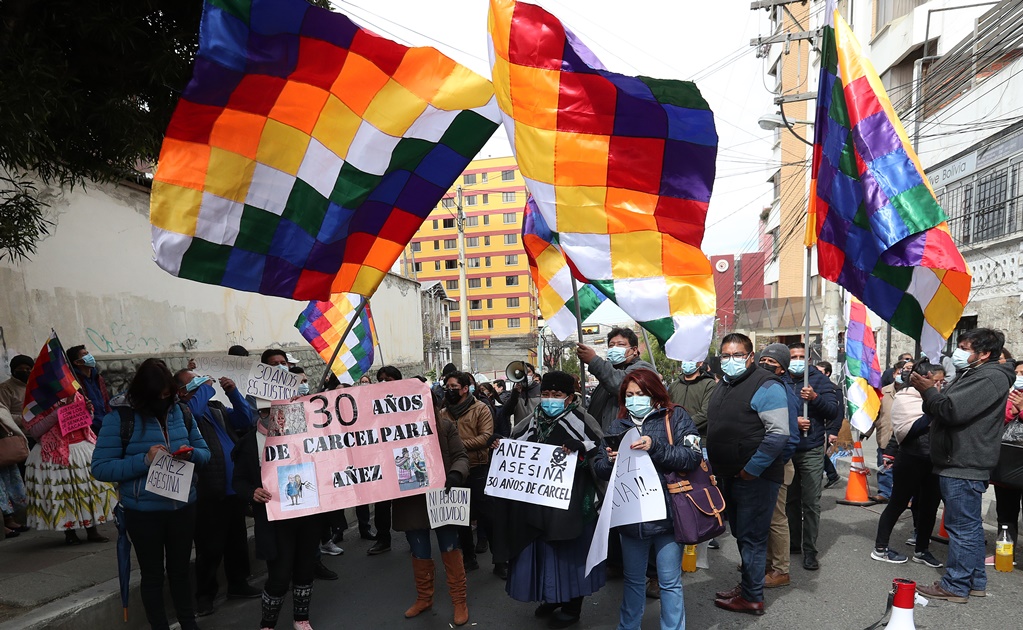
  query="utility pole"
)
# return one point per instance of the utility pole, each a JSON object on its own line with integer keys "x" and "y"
{"x": 463, "y": 289}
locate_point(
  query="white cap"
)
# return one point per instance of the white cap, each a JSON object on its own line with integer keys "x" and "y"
{"x": 290, "y": 358}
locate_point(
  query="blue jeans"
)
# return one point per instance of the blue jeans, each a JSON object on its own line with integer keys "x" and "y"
{"x": 750, "y": 508}
{"x": 635, "y": 553}
{"x": 419, "y": 541}
{"x": 884, "y": 477}
{"x": 965, "y": 526}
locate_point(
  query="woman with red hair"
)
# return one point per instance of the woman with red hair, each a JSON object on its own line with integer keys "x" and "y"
{"x": 644, "y": 404}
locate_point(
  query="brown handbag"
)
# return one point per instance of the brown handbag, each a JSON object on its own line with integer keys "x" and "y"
{"x": 13, "y": 447}
{"x": 697, "y": 505}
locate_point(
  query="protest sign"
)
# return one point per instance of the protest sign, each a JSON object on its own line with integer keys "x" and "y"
{"x": 169, "y": 477}
{"x": 448, "y": 507}
{"x": 532, "y": 473}
{"x": 350, "y": 447}
{"x": 235, "y": 368}
{"x": 73, "y": 417}
{"x": 269, "y": 382}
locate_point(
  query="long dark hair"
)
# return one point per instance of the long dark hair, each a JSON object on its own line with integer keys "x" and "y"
{"x": 149, "y": 386}
{"x": 651, "y": 384}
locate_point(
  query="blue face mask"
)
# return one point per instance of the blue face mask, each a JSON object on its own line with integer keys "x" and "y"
{"x": 196, "y": 383}
{"x": 797, "y": 366}
{"x": 734, "y": 367}
{"x": 1019, "y": 382}
{"x": 552, "y": 406}
{"x": 638, "y": 406}
{"x": 89, "y": 360}
{"x": 472, "y": 389}
{"x": 898, "y": 378}
{"x": 689, "y": 368}
{"x": 616, "y": 355}
{"x": 961, "y": 358}
{"x": 303, "y": 389}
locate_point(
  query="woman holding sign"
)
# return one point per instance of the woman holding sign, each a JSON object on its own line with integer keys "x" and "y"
{"x": 644, "y": 404}
{"x": 62, "y": 493}
{"x": 150, "y": 445}
{"x": 546, "y": 546}
{"x": 409, "y": 514}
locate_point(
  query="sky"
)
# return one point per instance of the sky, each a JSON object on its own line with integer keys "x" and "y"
{"x": 707, "y": 42}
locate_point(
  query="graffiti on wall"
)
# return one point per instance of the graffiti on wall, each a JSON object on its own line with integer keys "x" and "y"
{"x": 121, "y": 339}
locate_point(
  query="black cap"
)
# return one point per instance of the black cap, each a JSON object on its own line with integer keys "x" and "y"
{"x": 559, "y": 382}
{"x": 779, "y": 352}
{"x": 21, "y": 360}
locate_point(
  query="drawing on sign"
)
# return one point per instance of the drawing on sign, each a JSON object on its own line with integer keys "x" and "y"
{"x": 531, "y": 472}
{"x": 297, "y": 486}
{"x": 287, "y": 419}
{"x": 411, "y": 466}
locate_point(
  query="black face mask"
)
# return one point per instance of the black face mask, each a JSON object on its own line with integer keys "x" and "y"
{"x": 452, "y": 395}
{"x": 162, "y": 406}
{"x": 769, "y": 368}
{"x": 21, "y": 376}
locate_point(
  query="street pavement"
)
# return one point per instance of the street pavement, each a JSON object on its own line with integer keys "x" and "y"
{"x": 849, "y": 591}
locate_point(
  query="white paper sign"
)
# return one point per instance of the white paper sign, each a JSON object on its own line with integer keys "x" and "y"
{"x": 270, "y": 382}
{"x": 235, "y": 368}
{"x": 541, "y": 474}
{"x": 169, "y": 477}
{"x": 448, "y": 507}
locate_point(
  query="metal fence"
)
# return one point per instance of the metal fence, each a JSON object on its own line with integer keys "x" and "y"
{"x": 985, "y": 207}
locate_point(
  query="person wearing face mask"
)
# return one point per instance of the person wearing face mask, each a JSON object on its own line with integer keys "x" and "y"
{"x": 93, "y": 385}
{"x": 475, "y": 427}
{"x": 546, "y": 547}
{"x": 643, "y": 403}
{"x": 12, "y": 391}
{"x": 888, "y": 376}
{"x": 882, "y": 430}
{"x": 303, "y": 385}
{"x": 220, "y": 532}
{"x": 818, "y": 429}
{"x": 692, "y": 392}
{"x": 159, "y": 527}
{"x": 622, "y": 358}
{"x": 747, "y": 431}
{"x": 1008, "y": 499}
{"x": 967, "y": 422}
{"x": 525, "y": 396}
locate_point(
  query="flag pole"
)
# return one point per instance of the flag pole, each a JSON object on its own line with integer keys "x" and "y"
{"x": 806, "y": 337}
{"x": 341, "y": 342}
{"x": 579, "y": 330}
{"x": 649, "y": 348}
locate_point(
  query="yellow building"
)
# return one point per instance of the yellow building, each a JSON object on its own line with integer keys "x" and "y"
{"x": 502, "y": 298}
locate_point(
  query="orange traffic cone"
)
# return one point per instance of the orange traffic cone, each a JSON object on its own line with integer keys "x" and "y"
{"x": 856, "y": 488}
{"x": 942, "y": 535}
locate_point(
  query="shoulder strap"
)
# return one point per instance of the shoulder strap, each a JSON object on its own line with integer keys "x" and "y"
{"x": 127, "y": 426}
{"x": 667, "y": 428}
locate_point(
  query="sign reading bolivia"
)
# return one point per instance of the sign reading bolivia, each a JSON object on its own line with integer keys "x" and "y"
{"x": 350, "y": 447}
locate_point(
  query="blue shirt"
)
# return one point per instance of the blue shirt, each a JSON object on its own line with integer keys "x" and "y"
{"x": 95, "y": 394}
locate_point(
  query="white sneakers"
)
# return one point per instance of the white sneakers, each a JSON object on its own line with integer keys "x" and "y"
{"x": 331, "y": 549}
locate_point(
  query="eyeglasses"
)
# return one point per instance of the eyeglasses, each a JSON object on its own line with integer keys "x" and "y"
{"x": 725, "y": 357}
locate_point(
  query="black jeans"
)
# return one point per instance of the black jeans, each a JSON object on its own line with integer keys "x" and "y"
{"x": 154, "y": 534}
{"x": 220, "y": 534}
{"x": 912, "y": 479}
{"x": 297, "y": 541}
{"x": 1007, "y": 507}
{"x": 381, "y": 519}
{"x": 478, "y": 510}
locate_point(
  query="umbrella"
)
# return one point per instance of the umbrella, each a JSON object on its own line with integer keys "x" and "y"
{"x": 123, "y": 556}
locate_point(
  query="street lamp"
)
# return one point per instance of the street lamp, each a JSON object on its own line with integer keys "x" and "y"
{"x": 770, "y": 122}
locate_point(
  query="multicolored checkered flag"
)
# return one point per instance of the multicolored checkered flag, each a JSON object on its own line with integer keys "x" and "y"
{"x": 50, "y": 381}
{"x": 323, "y": 323}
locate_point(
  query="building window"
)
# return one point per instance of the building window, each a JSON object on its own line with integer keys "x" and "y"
{"x": 509, "y": 217}
{"x": 513, "y": 302}
{"x": 511, "y": 260}
{"x": 475, "y": 305}
{"x": 456, "y": 325}
{"x": 511, "y": 239}
{"x": 472, "y": 262}
{"x": 476, "y": 324}
{"x": 483, "y": 177}
{"x": 486, "y": 218}
{"x": 477, "y": 344}
{"x": 436, "y": 244}
{"x": 514, "y": 322}
{"x": 511, "y": 281}
{"x": 472, "y": 221}
{"x": 490, "y": 304}
{"x": 435, "y": 224}
{"x": 472, "y": 241}
{"x": 884, "y": 13}
{"x": 486, "y": 199}
{"x": 486, "y": 261}
{"x": 469, "y": 179}
{"x": 436, "y": 265}
{"x": 417, "y": 267}
{"x": 417, "y": 247}
{"x": 474, "y": 283}
{"x": 447, "y": 202}
{"x": 490, "y": 283}
{"x": 449, "y": 223}
{"x": 470, "y": 200}
{"x": 451, "y": 285}
{"x": 451, "y": 264}
{"x": 450, "y": 243}
{"x": 486, "y": 241}
{"x": 508, "y": 176}
{"x": 490, "y": 324}
{"x": 508, "y": 197}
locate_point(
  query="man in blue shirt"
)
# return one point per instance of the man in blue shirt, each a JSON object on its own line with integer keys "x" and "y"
{"x": 220, "y": 532}
{"x": 93, "y": 386}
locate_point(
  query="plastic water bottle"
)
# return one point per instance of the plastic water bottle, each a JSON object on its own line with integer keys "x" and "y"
{"x": 1003, "y": 551}
{"x": 689, "y": 558}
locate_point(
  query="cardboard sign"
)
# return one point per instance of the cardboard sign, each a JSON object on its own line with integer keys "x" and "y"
{"x": 73, "y": 417}
{"x": 532, "y": 473}
{"x": 350, "y": 447}
{"x": 270, "y": 382}
{"x": 448, "y": 507}
{"x": 235, "y": 368}
{"x": 169, "y": 477}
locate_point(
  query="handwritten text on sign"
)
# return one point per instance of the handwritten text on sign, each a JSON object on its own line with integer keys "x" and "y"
{"x": 448, "y": 507}
{"x": 73, "y": 417}
{"x": 531, "y": 473}
{"x": 637, "y": 496}
{"x": 270, "y": 382}
{"x": 169, "y": 477}
{"x": 235, "y": 368}
{"x": 350, "y": 447}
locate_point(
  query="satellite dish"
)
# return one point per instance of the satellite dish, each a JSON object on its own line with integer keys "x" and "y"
{"x": 721, "y": 265}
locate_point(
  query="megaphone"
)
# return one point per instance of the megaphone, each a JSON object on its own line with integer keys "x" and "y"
{"x": 515, "y": 371}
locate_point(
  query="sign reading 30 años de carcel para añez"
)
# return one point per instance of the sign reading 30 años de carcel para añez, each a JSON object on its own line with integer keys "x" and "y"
{"x": 350, "y": 447}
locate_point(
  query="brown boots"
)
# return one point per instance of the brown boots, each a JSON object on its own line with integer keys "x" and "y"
{"x": 423, "y": 572}
{"x": 456, "y": 584}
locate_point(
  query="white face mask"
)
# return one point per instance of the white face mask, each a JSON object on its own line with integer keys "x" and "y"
{"x": 1019, "y": 382}
{"x": 961, "y": 358}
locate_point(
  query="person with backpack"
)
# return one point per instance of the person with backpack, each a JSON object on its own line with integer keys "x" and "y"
{"x": 145, "y": 423}
{"x": 220, "y": 532}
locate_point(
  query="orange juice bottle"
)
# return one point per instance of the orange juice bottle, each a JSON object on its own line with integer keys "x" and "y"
{"x": 689, "y": 558}
{"x": 1003, "y": 551}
